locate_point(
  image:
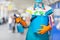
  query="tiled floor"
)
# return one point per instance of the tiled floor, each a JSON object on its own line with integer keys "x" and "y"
{"x": 6, "y": 34}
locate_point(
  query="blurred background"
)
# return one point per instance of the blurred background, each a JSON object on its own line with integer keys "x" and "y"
{"x": 9, "y": 7}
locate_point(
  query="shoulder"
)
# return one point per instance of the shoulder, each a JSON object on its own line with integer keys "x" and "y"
{"x": 48, "y": 10}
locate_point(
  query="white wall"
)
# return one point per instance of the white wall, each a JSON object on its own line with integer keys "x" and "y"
{"x": 26, "y": 3}
{"x": 23, "y": 3}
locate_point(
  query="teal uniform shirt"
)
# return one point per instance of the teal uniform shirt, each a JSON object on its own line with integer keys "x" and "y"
{"x": 42, "y": 18}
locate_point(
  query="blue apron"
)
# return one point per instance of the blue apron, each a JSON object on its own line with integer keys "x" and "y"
{"x": 35, "y": 25}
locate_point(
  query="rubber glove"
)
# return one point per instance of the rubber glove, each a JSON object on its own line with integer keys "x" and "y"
{"x": 44, "y": 29}
{"x": 20, "y": 20}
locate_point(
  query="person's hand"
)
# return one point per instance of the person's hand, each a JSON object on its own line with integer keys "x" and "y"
{"x": 44, "y": 29}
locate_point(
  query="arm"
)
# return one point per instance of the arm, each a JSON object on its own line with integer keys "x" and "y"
{"x": 28, "y": 16}
{"x": 45, "y": 29}
{"x": 51, "y": 20}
